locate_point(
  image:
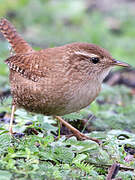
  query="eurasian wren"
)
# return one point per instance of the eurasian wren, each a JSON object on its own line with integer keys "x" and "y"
{"x": 55, "y": 81}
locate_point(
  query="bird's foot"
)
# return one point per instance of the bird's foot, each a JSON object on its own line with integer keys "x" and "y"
{"x": 15, "y": 134}
{"x": 81, "y": 136}
{"x": 76, "y": 132}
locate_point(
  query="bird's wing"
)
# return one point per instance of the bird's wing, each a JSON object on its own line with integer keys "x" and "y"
{"x": 32, "y": 66}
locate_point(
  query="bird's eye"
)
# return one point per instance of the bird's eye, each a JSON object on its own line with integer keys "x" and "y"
{"x": 95, "y": 60}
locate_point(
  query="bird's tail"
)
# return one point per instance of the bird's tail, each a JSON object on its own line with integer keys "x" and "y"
{"x": 18, "y": 44}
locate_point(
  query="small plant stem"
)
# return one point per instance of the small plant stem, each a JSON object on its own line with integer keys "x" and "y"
{"x": 59, "y": 129}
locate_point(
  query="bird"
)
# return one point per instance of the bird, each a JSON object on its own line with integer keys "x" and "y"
{"x": 55, "y": 81}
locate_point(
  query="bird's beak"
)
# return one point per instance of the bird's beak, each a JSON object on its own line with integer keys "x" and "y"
{"x": 119, "y": 63}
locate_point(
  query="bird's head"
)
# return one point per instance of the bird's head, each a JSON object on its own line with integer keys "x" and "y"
{"x": 93, "y": 60}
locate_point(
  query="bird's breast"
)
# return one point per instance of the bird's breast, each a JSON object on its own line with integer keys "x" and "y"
{"x": 83, "y": 95}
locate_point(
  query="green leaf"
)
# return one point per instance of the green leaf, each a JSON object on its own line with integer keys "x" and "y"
{"x": 5, "y": 175}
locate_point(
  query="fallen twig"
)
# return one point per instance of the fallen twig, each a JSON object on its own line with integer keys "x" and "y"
{"x": 106, "y": 166}
{"x": 112, "y": 171}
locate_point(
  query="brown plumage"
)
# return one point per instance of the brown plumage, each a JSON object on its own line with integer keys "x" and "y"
{"x": 9, "y": 31}
{"x": 55, "y": 81}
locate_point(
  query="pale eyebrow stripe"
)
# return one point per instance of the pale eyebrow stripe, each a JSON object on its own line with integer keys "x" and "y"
{"x": 85, "y": 54}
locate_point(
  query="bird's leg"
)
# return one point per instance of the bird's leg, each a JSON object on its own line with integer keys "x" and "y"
{"x": 76, "y": 132}
{"x": 11, "y": 120}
